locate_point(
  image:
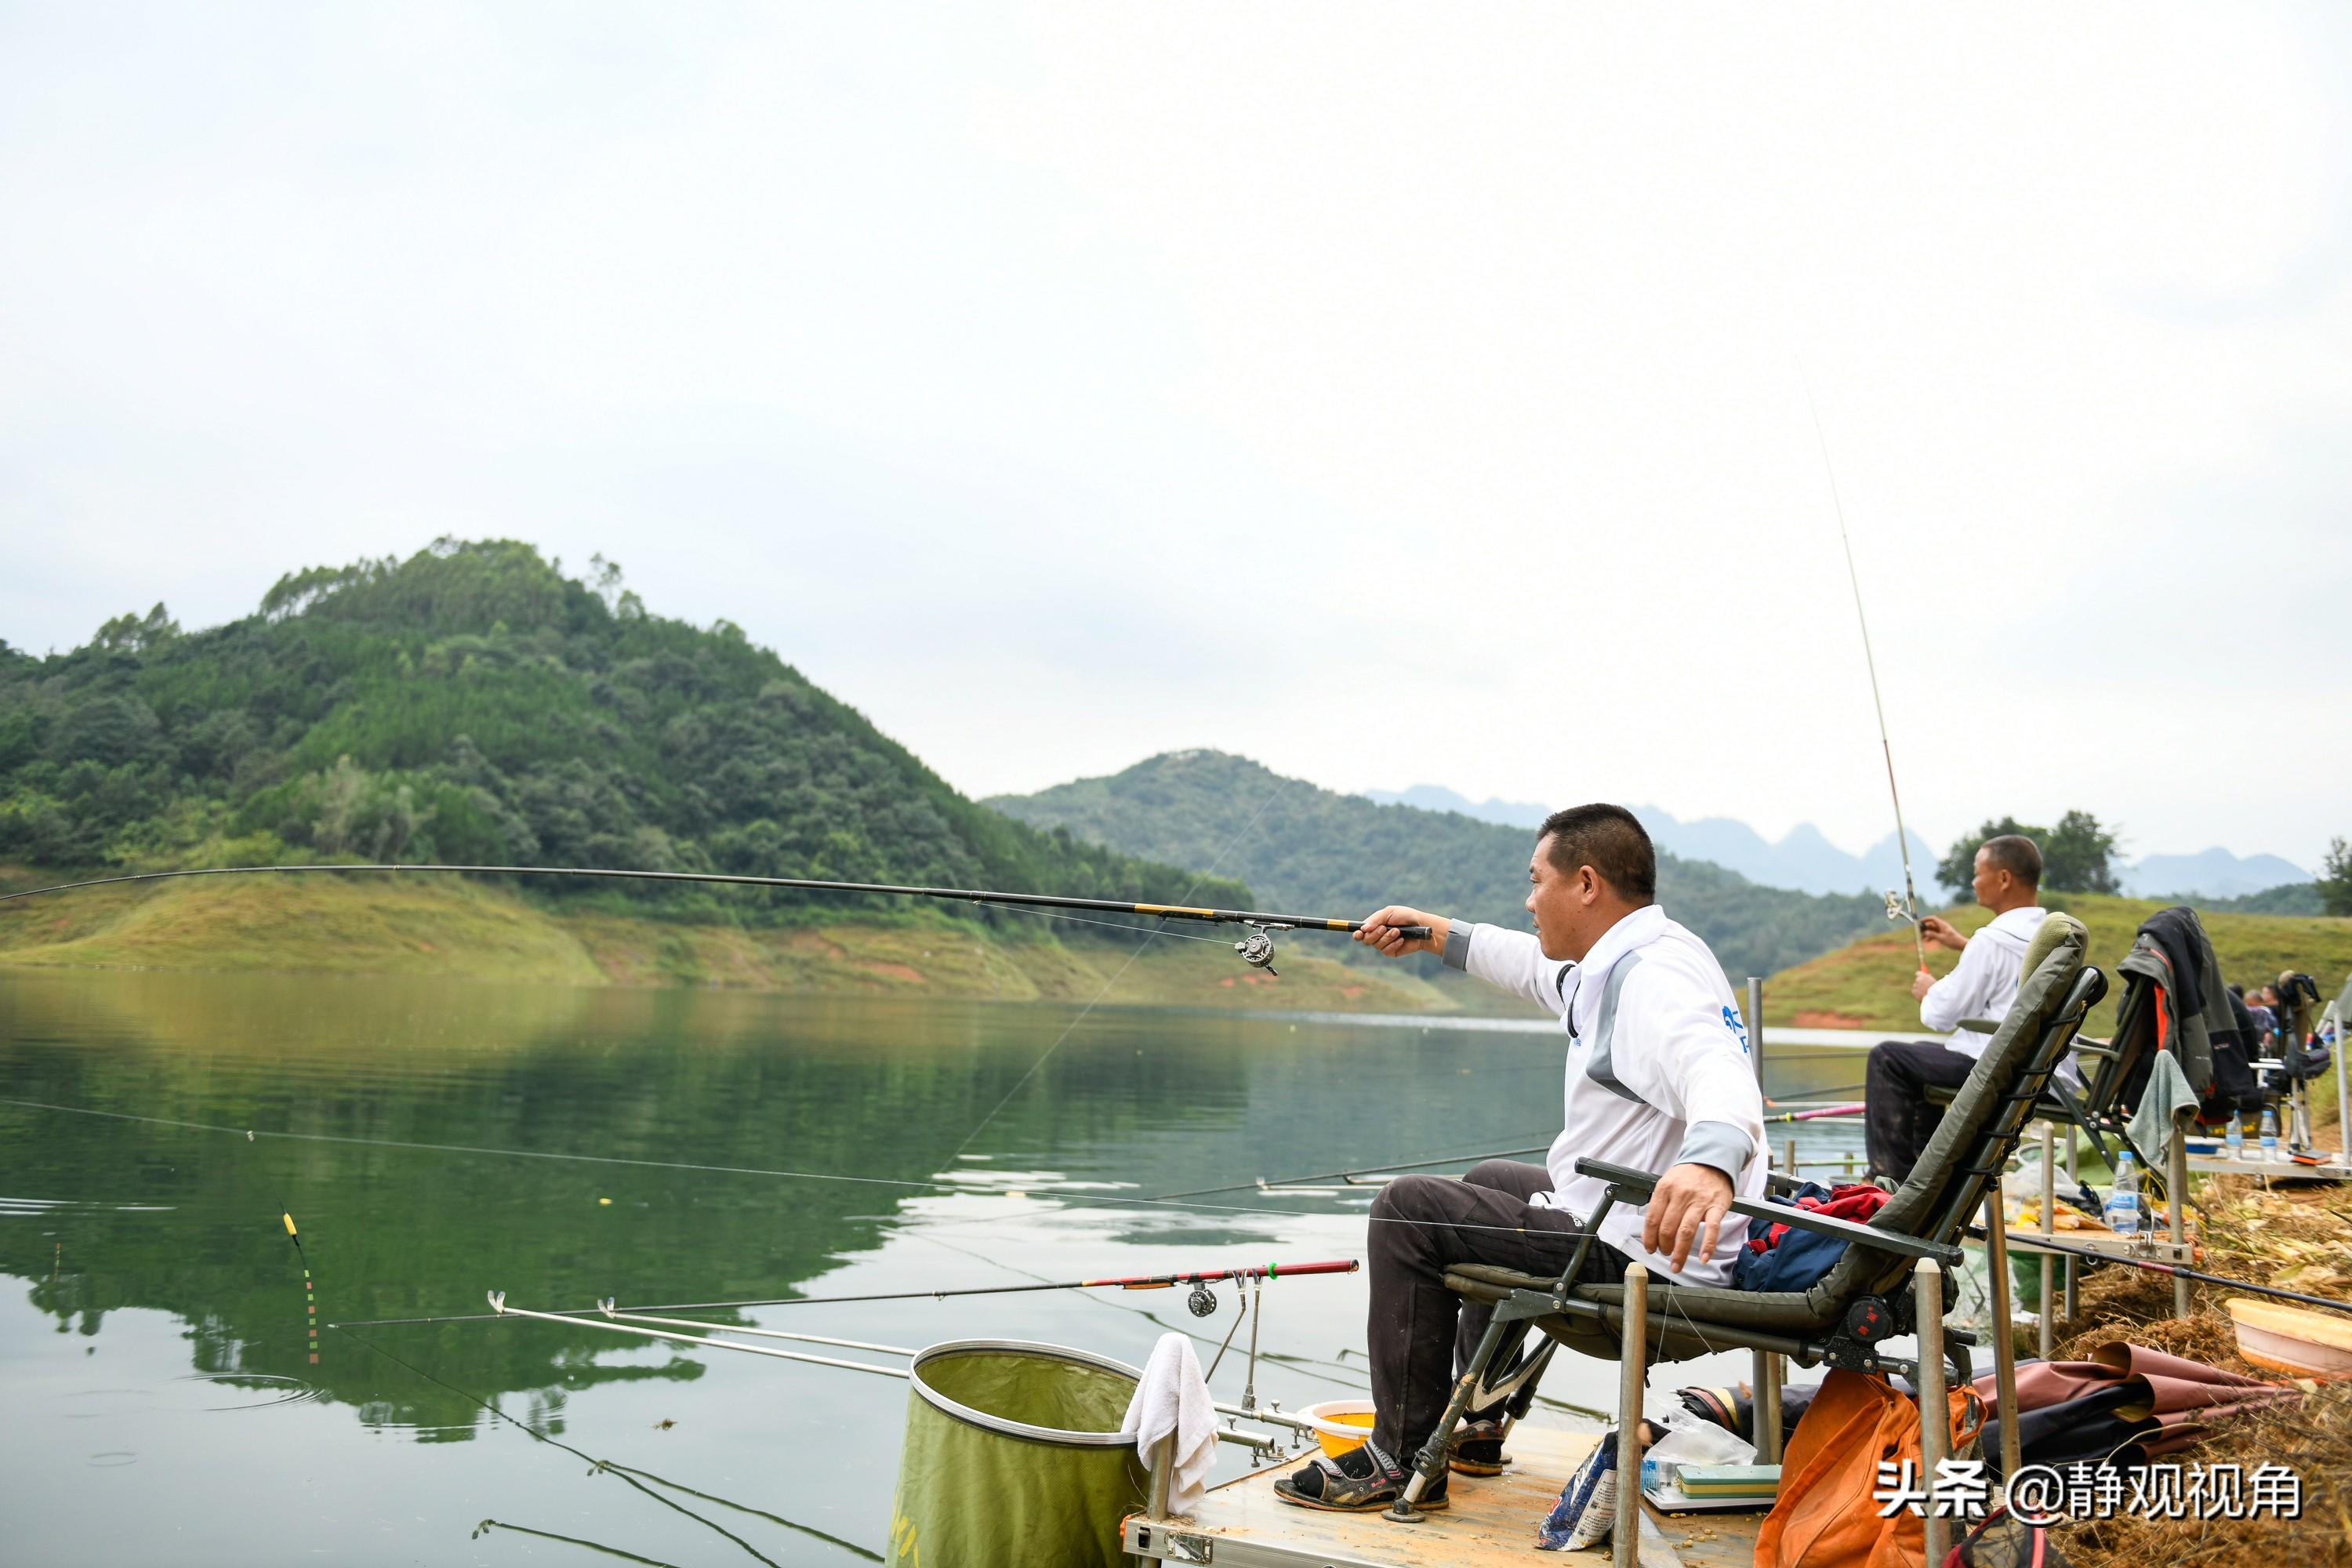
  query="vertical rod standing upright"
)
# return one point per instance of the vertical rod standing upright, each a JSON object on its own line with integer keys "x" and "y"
{"x": 2343, "y": 1085}
{"x": 2044, "y": 1333}
{"x": 1633, "y": 1376}
{"x": 2176, "y": 1207}
{"x": 1756, "y": 1024}
{"x": 2073, "y": 1183}
{"x": 1765, "y": 1372}
{"x": 2004, "y": 1340}
{"x": 1935, "y": 1409}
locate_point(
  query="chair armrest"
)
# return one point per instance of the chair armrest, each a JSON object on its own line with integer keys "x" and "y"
{"x": 1980, "y": 1025}
{"x": 1645, "y": 1181}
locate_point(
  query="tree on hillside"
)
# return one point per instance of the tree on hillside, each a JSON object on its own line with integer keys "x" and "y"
{"x": 2077, "y": 855}
{"x": 1958, "y": 868}
{"x": 2336, "y": 879}
{"x": 472, "y": 703}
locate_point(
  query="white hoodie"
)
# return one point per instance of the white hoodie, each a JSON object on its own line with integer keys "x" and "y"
{"x": 1658, "y": 1074}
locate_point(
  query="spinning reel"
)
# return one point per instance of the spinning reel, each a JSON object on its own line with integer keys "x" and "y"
{"x": 1896, "y": 909}
{"x": 1202, "y": 1302}
{"x": 1257, "y": 951}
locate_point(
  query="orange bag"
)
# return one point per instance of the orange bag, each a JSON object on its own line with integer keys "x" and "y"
{"x": 1827, "y": 1515}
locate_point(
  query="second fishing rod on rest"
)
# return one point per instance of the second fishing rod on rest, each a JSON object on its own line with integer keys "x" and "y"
{"x": 1255, "y": 949}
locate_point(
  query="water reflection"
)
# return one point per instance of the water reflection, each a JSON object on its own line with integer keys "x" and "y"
{"x": 157, "y": 1282}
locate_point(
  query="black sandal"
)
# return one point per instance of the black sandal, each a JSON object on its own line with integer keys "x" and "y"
{"x": 1362, "y": 1480}
{"x": 1477, "y": 1449}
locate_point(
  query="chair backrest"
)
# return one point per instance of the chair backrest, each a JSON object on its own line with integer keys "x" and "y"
{"x": 1981, "y": 1126}
{"x": 2120, "y": 1068}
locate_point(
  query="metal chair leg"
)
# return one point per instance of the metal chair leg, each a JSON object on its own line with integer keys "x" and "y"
{"x": 2004, "y": 1339}
{"x": 1429, "y": 1463}
{"x": 1624, "y": 1543}
{"x": 1765, "y": 1401}
{"x": 1935, "y": 1409}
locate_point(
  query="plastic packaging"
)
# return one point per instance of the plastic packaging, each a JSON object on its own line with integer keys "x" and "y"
{"x": 1690, "y": 1439}
{"x": 2234, "y": 1138}
{"x": 2271, "y": 1152}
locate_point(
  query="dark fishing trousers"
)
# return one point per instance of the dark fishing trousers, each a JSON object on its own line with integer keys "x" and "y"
{"x": 1897, "y": 1120}
{"x": 1419, "y": 1333}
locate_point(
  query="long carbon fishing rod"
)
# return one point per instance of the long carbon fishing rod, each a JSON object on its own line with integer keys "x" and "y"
{"x": 1125, "y": 1282}
{"x": 1268, "y": 1182}
{"x": 1256, "y": 948}
{"x": 1870, "y": 661}
{"x": 2179, "y": 1271}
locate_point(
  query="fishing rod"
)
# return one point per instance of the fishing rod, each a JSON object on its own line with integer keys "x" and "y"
{"x": 1855, "y": 1109}
{"x": 1199, "y": 1278}
{"x": 1263, "y": 1182}
{"x": 622, "y": 1322}
{"x": 1267, "y": 1183}
{"x": 1908, "y": 909}
{"x": 2179, "y": 1271}
{"x": 1256, "y": 948}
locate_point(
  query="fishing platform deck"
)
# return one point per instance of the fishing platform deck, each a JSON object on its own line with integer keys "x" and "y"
{"x": 1242, "y": 1524}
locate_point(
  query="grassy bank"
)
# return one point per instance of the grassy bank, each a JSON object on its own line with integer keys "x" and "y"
{"x": 452, "y": 928}
{"x": 1867, "y": 984}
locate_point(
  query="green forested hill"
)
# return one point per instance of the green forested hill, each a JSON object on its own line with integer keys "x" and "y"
{"x": 472, "y": 703}
{"x": 1316, "y": 851}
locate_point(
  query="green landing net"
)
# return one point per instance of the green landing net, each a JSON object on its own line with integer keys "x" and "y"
{"x": 1014, "y": 1455}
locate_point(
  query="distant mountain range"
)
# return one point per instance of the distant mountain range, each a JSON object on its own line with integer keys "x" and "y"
{"x": 1803, "y": 859}
{"x": 1807, "y": 861}
{"x": 2215, "y": 874}
{"x": 1315, "y": 851}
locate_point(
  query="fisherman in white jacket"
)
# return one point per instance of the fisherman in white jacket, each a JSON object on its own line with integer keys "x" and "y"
{"x": 1658, "y": 1078}
{"x": 1899, "y": 1120}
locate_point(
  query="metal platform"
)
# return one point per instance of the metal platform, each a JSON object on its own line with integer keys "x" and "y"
{"x": 2331, "y": 1168}
{"x": 1242, "y": 1524}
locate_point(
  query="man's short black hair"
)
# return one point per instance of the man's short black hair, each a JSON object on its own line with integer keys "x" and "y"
{"x": 2017, "y": 854}
{"x": 1612, "y": 841}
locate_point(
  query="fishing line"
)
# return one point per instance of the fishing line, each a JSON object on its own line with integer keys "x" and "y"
{"x": 490, "y": 1524}
{"x": 594, "y": 1463}
{"x": 948, "y": 1188}
{"x": 1023, "y": 1082}
{"x": 1870, "y": 661}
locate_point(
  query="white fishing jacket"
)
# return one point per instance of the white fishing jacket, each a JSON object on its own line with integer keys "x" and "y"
{"x": 1984, "y": 984}
{"x": 1659, "y": 1071}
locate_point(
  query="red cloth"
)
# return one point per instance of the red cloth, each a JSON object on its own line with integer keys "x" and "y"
{"x": 1857, "y": 1201}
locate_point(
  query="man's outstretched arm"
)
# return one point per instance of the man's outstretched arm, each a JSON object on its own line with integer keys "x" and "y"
{"x": 1510, "y": 959}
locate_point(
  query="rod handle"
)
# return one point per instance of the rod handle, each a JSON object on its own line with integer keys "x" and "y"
{"x": 1336, "y": 1266}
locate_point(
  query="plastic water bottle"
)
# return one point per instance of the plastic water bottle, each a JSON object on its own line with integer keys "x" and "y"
{"x": 2123, "y": 1198}
{"x": 2235, "y": 1138}
{"x": 2271, "y": 1152}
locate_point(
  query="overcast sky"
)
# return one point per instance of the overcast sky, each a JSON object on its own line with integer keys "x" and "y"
{"x": 1388, "y": 395}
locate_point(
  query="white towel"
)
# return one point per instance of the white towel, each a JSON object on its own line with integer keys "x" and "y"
{"x": 1173, "y": 1399}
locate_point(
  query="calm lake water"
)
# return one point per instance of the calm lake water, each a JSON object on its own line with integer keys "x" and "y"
{"x": 168, "y": 1400}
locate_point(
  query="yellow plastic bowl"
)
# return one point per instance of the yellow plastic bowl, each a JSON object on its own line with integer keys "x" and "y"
{"x": 1341, "y": 1425}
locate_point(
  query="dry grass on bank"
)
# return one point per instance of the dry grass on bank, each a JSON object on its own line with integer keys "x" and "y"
{"x": 2299, "y": 1238}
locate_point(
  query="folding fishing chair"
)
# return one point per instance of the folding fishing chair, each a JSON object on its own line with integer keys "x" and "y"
{"x": 1862, "y": 1302}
